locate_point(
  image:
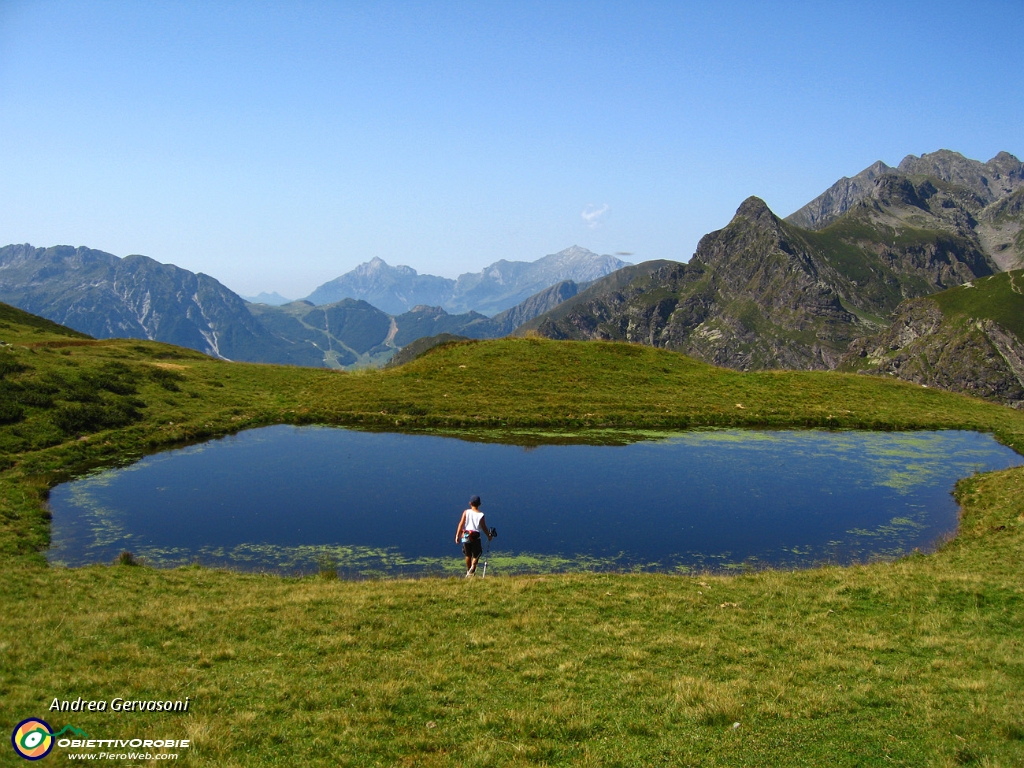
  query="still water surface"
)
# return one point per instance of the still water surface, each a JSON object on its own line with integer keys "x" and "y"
{"x": 301, "y": 498}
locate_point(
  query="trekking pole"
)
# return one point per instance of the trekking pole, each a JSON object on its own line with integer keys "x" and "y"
{"x": 494, "y": 532}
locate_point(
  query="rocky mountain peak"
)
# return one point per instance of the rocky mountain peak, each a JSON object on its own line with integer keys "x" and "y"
{"x": 877, "y": 168}
{"x": 1000, "y": 176}
{"x": 575, "y": 252}
{"x": 939, "y": 158}
{"x": 899, "y": 190}
{"x": 839, "y": 198}
{"x": 755, "y": 208}
{"x": 377, "y": 266}
{"x": 1004, "y": 160}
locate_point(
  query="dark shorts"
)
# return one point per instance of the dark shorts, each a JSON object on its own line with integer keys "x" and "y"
{"x": 473, "y": 548}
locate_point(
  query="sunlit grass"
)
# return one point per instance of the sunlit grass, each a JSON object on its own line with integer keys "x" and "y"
{"x": 913, "y": 662}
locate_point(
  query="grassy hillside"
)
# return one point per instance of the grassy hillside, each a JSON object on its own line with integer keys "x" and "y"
{"x": 909, "y": 663}
{"x": 23, "y": 326}
{"x": 999, "y": 298}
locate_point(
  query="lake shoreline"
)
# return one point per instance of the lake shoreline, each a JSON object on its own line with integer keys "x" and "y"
{"x": 287, "y": 500}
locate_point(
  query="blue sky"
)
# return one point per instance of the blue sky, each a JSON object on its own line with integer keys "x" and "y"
{"x": 275, "y": 146}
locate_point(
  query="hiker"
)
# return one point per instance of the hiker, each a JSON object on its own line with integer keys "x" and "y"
{"x": 471, "y": 525}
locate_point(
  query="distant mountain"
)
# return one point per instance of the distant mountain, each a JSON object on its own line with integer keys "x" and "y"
{"x": 505, "y": 284}
{"x": 538, "y": 304}
{"x": 353, "y": 333}
{"x": 578, "y": 316}
{"x": 137, "y": 298}
{"x": 274, "y": 299}
{"x": 341, "y": 335}
{"x": 392, "y": 289}
{"x": 501, "y": 286}
{"x": 966, "y": 339}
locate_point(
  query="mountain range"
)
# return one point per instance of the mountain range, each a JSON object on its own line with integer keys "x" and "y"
{"x": 765, "y": 293}
{"x": 909, "y": 272}
{"x": 498, "y": 287}
{"x": 354, "y": 333}
{"x": 106, "y": 296}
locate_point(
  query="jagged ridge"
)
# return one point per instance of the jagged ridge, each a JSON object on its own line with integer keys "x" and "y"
{"x": 762, "y": 293}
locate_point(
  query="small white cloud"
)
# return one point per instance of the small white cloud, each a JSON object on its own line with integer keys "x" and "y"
{"x": 594, "y": 214}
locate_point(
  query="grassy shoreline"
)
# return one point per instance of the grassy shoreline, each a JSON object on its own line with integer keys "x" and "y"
{"x": 915, "y": 662}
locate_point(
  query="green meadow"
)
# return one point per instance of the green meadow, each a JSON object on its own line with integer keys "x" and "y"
{"x": 914, "y": 662}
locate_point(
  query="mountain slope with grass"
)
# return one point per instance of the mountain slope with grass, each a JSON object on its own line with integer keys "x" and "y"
{"x": 138, "y": 298}
{"x": 966, "y": 339}
{"x": 913, "y": 662}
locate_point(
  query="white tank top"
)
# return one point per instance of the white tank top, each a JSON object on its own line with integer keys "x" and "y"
{"x": 473, "y": 519}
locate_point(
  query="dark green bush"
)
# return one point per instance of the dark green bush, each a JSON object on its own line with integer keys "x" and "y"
{"x": 114, "y": 377}
{"x": 10, "y": 413}
{"x": 33, "y": 394}
{"x": 75, "y": 418}
{"x": 9, "y": 365}
{"x": 166, "y": 379}
{"x": 23, "y": 393}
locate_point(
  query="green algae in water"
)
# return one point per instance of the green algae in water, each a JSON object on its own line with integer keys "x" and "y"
{"x": 289, "y": 499}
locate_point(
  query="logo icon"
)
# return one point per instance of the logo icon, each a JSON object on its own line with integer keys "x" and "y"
{"x": 32, "y": 738}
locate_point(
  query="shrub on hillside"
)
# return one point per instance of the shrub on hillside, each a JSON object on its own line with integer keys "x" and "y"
{"x": 10, "y": 413}
{"x": 82, "y": 418}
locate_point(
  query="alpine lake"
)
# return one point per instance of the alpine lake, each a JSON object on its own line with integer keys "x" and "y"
{"x": 298, "y": 500}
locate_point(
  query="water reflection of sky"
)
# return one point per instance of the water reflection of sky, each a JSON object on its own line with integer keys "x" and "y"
{"x": 288, "y": 498}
